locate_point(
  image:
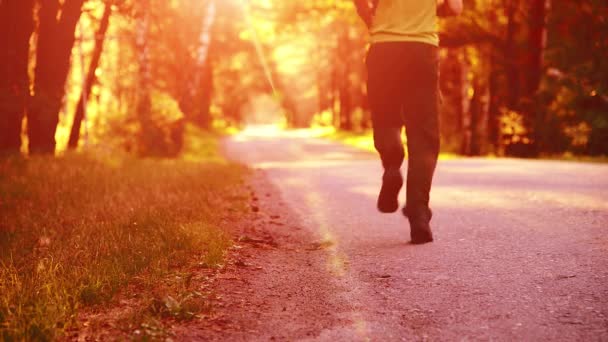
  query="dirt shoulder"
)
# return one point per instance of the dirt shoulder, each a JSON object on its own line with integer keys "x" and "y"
{"x": 271, "y": 287}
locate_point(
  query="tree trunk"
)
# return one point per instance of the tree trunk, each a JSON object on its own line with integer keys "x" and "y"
{"x": 334, "y": 86}
{"x": 493, "y": 128}
{"x": 537, "y": 37}
{"x": 344, "y": 90}
{"x": 493, "y": 108}
{"x": 466, "y": 123}
{"x": 477, "y": 115}
{"x": 204, "y": 79}
{"x": 366, "y": 122}
{"x": 510, "y": 54}
{"x": 16, "y": 26}
{"x": 55, "y": 42}
{"x": 205, "y": 94}
{"x": 346, "y": 108}
{"x": 90, "y": 80}
{"x": 149, "y": 138}
{"x": 323, "y": 90}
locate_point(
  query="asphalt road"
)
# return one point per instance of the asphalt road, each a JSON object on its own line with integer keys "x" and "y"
{"x": 521, "y": 250}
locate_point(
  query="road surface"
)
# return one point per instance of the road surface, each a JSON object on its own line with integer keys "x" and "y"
{"x": 521, "y": 250}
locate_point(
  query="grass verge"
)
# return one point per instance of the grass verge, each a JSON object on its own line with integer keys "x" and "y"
{"x": 75, "y": 230}
{"x": 569, "y": 157}
{"x": 363, "y": 140}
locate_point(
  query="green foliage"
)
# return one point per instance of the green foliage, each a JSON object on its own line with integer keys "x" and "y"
{"x": 577, "y": 41}
{"x": 309, "y": 56}
{"x": 563, "y": 112}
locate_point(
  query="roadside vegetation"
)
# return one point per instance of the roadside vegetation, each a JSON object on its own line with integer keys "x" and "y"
{"x": 77, "y": 229}
{"x": 364, "y": 140}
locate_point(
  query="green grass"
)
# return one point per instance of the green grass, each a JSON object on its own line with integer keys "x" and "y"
{"x": 76, "y": 229}
{"x": 364, "y": 140}
{"x": 569, "y": 157}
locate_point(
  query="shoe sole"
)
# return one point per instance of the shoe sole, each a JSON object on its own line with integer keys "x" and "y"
{"x": 422, "y": 241}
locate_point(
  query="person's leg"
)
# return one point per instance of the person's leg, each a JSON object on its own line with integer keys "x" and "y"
{"x": 384, "y": 97}
{"x": 421, "y": 114}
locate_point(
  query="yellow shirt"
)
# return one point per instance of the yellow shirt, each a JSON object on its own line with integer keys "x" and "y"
{"x": 405, "y": 21}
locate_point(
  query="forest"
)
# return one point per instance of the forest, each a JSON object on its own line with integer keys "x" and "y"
{"x": 518, "y": 78}
{"x": 123, "y": 209}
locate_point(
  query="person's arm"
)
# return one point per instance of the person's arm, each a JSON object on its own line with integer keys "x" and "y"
{"x": 365, "y": 11}
{"x": 448, "y": 8}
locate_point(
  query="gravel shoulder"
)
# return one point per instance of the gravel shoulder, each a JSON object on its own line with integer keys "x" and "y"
{"x": 271, "y": 287}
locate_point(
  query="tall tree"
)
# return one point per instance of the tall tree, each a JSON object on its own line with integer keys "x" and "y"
{"x": 537, "y": 43}
{"x": 344, "y": 87}
{"x": 149, "y": 136}
{"x": 16, "y": 26}
{"x": 510, "y": 53}
{"x": 79, "y": 115}
{"x": 57, "y": 24}
{"x": 203, "y": 82}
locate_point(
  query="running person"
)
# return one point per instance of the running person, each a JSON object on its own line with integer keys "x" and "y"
{"x": 403, "y": 84}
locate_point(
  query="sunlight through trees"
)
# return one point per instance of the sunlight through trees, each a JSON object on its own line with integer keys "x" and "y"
{"x": 518, "y": 78}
